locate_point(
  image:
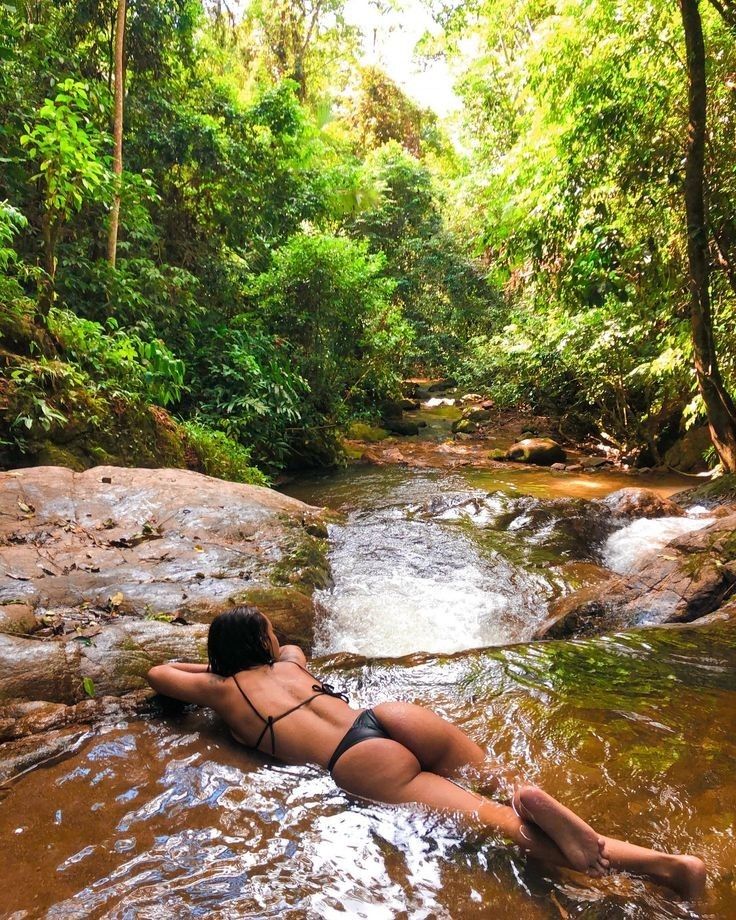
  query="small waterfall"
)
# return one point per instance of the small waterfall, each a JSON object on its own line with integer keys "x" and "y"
{"x": 645, "y": 537}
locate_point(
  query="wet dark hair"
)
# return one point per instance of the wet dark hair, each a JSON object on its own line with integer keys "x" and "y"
{"x": 238, "y": 640}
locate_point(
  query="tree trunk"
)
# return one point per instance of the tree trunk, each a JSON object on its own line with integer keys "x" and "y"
{"x": 50, "y": 234}
{"x": 719, "y": 406}
{"x": 112, "y": 237}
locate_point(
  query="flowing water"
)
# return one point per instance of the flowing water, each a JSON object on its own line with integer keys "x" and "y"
{"x": 637, "y": 732}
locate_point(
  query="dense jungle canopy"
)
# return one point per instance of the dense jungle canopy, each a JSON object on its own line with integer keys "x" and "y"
{"x": 224, "y": 234}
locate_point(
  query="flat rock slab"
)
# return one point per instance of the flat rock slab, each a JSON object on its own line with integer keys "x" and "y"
{"x": 135, "y": 541}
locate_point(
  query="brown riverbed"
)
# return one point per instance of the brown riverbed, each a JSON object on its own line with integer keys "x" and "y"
{"x": 170, "y": 818}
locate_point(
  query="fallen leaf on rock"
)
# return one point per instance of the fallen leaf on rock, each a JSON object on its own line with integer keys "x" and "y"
{"x": 17, "y": 577}
{"x": 117, "y": 599}
{"x": 26, "y": 508}
{"x": 89, "y": 632}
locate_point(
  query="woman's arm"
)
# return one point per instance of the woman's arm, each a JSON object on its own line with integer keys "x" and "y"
{"x": 193, "y": 667}
{"x": 189, "y": 683}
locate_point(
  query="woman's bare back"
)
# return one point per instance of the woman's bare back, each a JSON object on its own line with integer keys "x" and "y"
{"x": 308, "y": 734}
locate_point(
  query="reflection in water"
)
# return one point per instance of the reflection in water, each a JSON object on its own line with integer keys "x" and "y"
{"x": 171, "y": 819}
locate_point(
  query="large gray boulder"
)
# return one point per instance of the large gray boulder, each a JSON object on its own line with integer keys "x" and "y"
{"x": 78, "y": 549}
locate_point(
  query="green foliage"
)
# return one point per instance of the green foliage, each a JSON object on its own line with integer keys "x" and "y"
{"x": 248, "y": 390}
{"x": 577, "y": 115}
{"x": 442, "y": 293}
{"x": 327, "y": 297}
{"x": 119, "y": 361}
{"x": 218, "y": 455}
{"x": 11, "y": 221}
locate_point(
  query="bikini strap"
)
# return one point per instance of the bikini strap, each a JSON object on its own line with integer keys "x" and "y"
{"x": 320, "y": 687}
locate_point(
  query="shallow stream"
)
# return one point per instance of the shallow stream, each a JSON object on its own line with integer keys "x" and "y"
{"x": 436, "y": 575}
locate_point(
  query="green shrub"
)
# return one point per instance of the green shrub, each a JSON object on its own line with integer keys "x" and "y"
{"x": 218, "y": 455}
{"x": 118, "y": 360}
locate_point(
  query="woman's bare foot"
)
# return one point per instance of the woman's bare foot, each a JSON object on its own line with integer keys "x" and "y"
{"x": 581, "y": 846}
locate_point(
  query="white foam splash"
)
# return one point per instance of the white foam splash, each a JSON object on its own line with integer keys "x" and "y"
{"x": 644, "y": 537}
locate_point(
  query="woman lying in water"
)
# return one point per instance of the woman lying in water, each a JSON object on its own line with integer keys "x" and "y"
{"x": 395, "y": 752}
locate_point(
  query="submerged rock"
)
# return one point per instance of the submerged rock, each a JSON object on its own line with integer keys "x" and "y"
{"x": 401, "y": 426}
{"x": 543, "y": 451}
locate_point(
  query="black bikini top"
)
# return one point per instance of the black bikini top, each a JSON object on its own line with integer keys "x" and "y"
{"x": 320, "y": 689}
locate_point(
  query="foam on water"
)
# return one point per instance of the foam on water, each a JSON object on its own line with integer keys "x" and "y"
{"x": 404, "y": 586}
{"x": 644, "y": 537}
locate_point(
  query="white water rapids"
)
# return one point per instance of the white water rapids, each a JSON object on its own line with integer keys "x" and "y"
{"x": 424, "y": 562}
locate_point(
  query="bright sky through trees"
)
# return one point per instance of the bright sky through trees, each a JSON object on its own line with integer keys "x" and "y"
{"x": 390, "y": 39}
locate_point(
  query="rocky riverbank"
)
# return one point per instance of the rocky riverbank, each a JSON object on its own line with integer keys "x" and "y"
{"x": 109, "y": 571}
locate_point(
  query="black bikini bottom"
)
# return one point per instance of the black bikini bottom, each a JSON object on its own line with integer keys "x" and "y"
{"x": 366, "y": 726}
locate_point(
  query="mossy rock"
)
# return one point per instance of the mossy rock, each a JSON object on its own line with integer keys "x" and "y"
{"x": 402, "y": 427}
{"x": 304, "y": 564}
{"x": 464, "y": 426}
{"x": 362, "y": 431}
{"x": 290, "y": 610}
{"x": 720, "y": 491}
{"x": 52, "y": 454}
{"x": 542, "y": 451}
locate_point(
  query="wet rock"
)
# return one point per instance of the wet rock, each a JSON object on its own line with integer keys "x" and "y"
{"x": 401, "y": 426}
{"x": 573, "y": 468}
{"x": 391, "y": 409}
{"x": 558, "y": 467}
{"x": 714, "y": 493}
{"x": 39, "y": 670}
{"x": 119, "y": 658}
{"x": 571, "y": 528}
{"x": 115, "y": 661}
{"x": 361, "y": 431}
{"x": 542, "y": 451}
{"x": 464, "y": 426}
{"x": 646, "y": 503}
{"x": 689, "y": 579}
{"x": 594, "y": 463}
{"x": 471, "y": 398}
{"x": 17, "y": 619}
{"x": 409, "y": 405}
{"x": 477, "y": 414}
{"x": 438, "y": 386}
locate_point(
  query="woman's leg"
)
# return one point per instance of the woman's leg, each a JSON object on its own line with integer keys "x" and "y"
{"x": 684, "y": 874}
{"x": 385, "y": 771}
{"x": 550, "y": 832}
{"x": 439, "y": 746}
